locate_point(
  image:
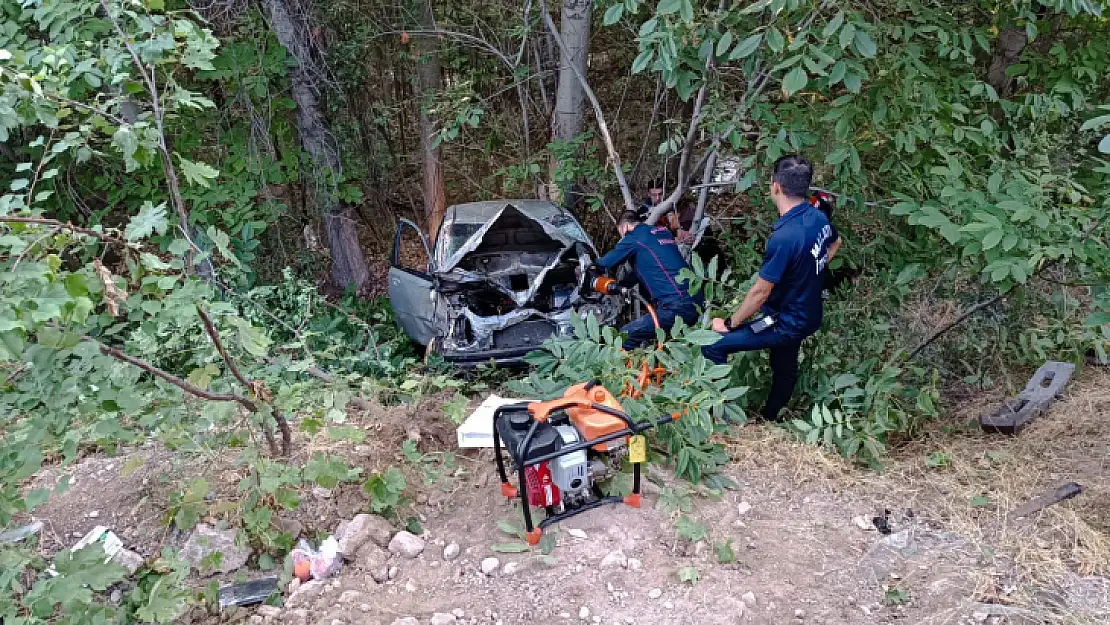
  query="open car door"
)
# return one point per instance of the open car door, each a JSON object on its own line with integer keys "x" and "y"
{"x": 410, "y": 284}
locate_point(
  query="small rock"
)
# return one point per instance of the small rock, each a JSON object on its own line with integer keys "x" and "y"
{"x": 350, "y": 596}
{"x": 371, "y": 557}
{"x": 450, "y": 552}
{"x": 321, "y": 493}
{"x": 256, "y": 619}
{"x": 634, "y": 564}
{"x": 408, "y": 620}
{"x": 440, "y": 618}
{"x": 292, "y": 527}
{"x": 510, "y": 568}
{"x": 669, "y": 605}
{"x": 305, "y": 592}
{"x": 615, "y": 559}
{"x": 584, "y": 613}
{"x": 336, "y": 621}
{"x": 655, "y": 593}
{"x": 364, "y": 607}
{"x": 413, "y": 434}
{"x": 406, "y": 545}
{"x": 129, "y": 560}
{"x": 94, "y": 514}
{"x": 577, "y": 533}
{"x": 743, "y": 508}
{"x": 979, "y": 616}
{"x": 268, "y": 611}
{"x": 799, "y": 613}
{"x": 597, "y": 619}
{"x": 489, "y": 565}
{"x": 294, "y": 586}
{"x": 393, "y": 572}
{"x": 748, "y": 598}
{"x": 116, "y": 597}
{"x": 410, "y": 586}
{"x": 206, "y": 541}
{"x": 864, "y": 523}
{"x": 380, "y": 574}
{"x": 564, "y": 615}
{"x": 458, "y": 612}
{"x": 362, "y": 529}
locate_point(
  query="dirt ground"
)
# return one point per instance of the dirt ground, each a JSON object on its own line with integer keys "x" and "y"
{"x": 799, "y": 525}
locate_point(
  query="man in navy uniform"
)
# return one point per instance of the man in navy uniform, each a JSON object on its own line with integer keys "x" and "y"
{"x": 656, "y": 262}
{"x": 788, "y": 288}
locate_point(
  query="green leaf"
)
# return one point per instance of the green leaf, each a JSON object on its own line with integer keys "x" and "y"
{"x": 836, "y": 74}
{"x": 775, "y": 39}
{"x": 834, "y": 25}
{"x": 687, "y": 11}
{"x": 1104, "y": 145}
{"x": 223, "y": 243}
{"x": 1097, "y": 319}
{"x": 150, "y": 219}
{"x": 265, "y": 560}
{"x": 853, "y": 82}
{"x": 724, "y": 43}
{"x": 510, "y": 548}
{"x": 745, "y": 48}
{"x": 979, "y": 501}
{"x": 614, "y": 14}
{"x": 642, "y": 60}
{"x": 666, "y": 7}
{"x": 865, "y": 45}
{"x": 20, "y": 184}
{"x": 992, "y": 239}
{"x": 795, "y": 81}
{"x": 198, "y": 173}
{"x": 847, "y": 35}
{"x": 1095, "y": 122}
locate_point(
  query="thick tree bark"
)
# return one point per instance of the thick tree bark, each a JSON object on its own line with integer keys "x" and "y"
{"x": 570, "y": 96}
{"x": 430, "y": 79}
{"x": 289, "y": 22}
{"x": 1007, "y": 52}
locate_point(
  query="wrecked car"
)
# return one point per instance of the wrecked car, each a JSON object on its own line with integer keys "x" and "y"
{"x": 503, "y": 277}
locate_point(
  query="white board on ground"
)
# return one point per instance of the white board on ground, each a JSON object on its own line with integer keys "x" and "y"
{"x": 477, "y": 430}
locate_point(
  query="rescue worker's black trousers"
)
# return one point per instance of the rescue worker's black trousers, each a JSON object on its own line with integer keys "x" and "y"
{"x": 784, "y": 348}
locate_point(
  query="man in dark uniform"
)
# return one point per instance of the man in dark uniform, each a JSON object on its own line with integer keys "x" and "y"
{"x": 656, "y": 262}
{"x": 788, "y": 288}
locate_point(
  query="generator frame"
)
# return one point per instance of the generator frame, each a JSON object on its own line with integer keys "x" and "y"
{"x": 555, "y": 411}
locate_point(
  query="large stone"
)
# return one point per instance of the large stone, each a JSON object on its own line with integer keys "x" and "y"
{"x": 889, "y": 554}
{"x": 129, "y": 560}
{"x": 406, "y": 545}
{"x": 371, "y": 557}
{"x": 206, "y": 541}
{"x": 489, "y": 565}
{"x": 362, "y": 529}
{"x": 451, "y": 551}
{"x": 439, "y": 618}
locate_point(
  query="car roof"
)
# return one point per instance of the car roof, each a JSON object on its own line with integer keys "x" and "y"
{"x": 480, "y": 212}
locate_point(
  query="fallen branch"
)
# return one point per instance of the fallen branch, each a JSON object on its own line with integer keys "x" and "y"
{"x": 602, "y": 126}
{"x": 957, "y": 321}
{"x": 256, "y": 387}
{"x": 64, "y": 226}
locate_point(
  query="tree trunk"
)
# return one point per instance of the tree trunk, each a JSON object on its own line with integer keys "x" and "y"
{"x": 569, "y": 96}
{"x": 1007, "y": 52}
{"x": 291, "y": 27}
{"x": 430, "y": 79}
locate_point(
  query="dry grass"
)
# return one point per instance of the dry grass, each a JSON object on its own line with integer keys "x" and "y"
{"x": 1036, "y": 562}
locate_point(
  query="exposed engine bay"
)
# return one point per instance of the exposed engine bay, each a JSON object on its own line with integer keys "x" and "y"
{"x": 513, "y": 281}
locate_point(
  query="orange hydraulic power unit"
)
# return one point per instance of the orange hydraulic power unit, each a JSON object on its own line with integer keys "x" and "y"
{"x": 563, "y": 447}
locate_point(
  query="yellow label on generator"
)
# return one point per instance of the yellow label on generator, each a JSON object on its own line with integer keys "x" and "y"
{"x": 637, "y": 448}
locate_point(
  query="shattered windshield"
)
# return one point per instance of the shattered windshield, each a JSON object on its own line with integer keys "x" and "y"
{"x": 455, "y": 235}
{"x": 568, "y": 225}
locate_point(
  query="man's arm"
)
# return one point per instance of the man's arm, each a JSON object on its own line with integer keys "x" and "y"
{"x": 753, "y": 301}
{"x": 834, "y": 247}
{"x": 618, "y": 254}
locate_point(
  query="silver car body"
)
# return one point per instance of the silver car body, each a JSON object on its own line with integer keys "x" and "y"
{"x": 503, "y": 276}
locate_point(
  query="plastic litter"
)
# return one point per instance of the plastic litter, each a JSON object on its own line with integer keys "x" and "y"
{"x": 248, "y": 593}
{"x": 18, "y": 534}
{"x": 113, "y": 548}
{"x": 316, "y": 563}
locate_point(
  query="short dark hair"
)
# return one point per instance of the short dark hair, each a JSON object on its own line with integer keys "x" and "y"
{"x": 629, "y": 218}
{"x": 655, "y": 183}
{"x": 794, "y": 174}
